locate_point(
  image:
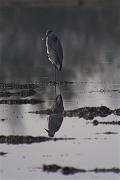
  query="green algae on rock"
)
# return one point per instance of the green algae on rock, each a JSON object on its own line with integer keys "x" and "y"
{"x": 22, "y": 93}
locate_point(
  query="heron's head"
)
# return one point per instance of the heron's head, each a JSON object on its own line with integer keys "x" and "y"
{"x": 48, "y": 32}
{"x": 50, "y": 133}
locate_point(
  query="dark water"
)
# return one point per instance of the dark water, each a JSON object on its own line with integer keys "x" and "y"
{"x": 90, "y": 77}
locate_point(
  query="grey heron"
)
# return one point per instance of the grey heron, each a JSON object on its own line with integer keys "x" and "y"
{"x": 54, "y": 49}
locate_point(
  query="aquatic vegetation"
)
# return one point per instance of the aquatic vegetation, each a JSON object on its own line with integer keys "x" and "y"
{"x": 88, "y": 113}
{"x": 72, "y": 170}
{"x": 23, "y": 93}
{"x": 60, "y": 83}
{"x": 96, "y": 122}
{"x": 2, "y": 153}
{"x": 21, "y": 101}
{"x": 108, "y": 133}
{"x": 16, "y": 139}
{"x": 18, "y": 86}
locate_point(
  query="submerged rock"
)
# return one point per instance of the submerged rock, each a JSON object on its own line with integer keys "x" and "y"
{"x": 61, "y": 83}
{"x": 25, "y": 93}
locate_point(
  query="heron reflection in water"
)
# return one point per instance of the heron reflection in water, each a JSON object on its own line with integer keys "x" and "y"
{"x": 56, "y": 118}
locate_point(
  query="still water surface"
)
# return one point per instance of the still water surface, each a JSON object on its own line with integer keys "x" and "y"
{"x": 90, "y": 39}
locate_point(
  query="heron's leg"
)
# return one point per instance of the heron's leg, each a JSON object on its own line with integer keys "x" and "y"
{"x": 55, "y": 82}
{"x": 55, "y": 74}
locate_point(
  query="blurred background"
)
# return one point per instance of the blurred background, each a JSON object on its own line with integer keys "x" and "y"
{"x": 89, "y": 31}
{"x": 89, "y": 35}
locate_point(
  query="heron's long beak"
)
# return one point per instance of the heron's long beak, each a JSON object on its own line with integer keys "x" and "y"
{"x": 43, "y": 38}
{"x": 47, "y": 130}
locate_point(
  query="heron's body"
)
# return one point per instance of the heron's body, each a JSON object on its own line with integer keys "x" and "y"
{"x": 54, "y": 124}
{"x": 54, "y": 49}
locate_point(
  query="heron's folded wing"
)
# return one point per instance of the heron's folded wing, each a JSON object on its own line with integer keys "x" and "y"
{"x": 54, "y": 50}
{"x": 51, "y": 49}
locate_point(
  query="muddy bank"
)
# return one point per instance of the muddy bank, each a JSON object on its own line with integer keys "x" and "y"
{"x": 96, "y": 122}
{"x": 12, "y": 139}
{"x": 21, "y": 101}
{"x": 3, "y": 153}
{"x": 23, "y": 93}
{"x": 7, "y": 86}
{"x": 88, "y": 113}
{"x": 10, "y": 86}
{"x": 61, "y": 83}
{"x": 108, "y": 133}
{"x": 71, "y": 170}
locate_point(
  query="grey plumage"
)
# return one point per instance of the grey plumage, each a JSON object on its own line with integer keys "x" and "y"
{"x": 54, "y": 49}
{"x": 54, "y": 124}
